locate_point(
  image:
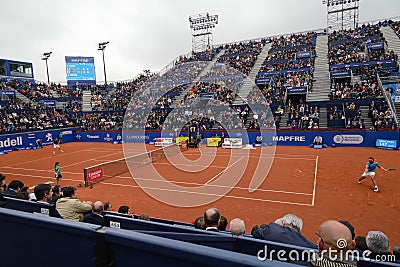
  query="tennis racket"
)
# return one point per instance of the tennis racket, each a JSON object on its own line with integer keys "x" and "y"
{"x": 391, "y": 169}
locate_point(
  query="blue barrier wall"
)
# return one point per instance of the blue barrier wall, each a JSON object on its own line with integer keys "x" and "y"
{"x": 340, "y": 139}
{"x": 10, "y": 142}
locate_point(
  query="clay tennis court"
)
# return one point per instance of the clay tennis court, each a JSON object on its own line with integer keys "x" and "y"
{"x": 313, "y": 184}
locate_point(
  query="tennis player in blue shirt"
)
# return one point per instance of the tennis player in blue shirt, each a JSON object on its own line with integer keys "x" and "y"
{"x": 370, "y": 171}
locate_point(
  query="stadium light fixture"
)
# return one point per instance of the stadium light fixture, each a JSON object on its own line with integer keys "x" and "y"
{"x": 46, "y": 57}
{"x": 102, "y": 47}
{"x": 342, "y": 14}
{"x": 201, "y": 26}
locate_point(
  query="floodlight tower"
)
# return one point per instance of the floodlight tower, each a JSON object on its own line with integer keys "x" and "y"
{"x": 341, "y": 14}
{"x": 46, "y": 57}
{"x": 102, "y": 47}
{"x": 202, "y": 36}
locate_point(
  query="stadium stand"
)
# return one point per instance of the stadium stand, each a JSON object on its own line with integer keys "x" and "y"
{"x": 365, "y": 53}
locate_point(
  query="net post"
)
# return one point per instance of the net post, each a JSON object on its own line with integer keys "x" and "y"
{"x": 85, "y": 178}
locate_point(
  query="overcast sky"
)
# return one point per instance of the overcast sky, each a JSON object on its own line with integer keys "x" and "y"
{"x": 147, "y": 34}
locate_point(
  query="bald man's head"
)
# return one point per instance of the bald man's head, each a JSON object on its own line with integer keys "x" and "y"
{"x": 212, "y": 217}
{"x": 98, "y": 207}
{"x": 335, "y": 235}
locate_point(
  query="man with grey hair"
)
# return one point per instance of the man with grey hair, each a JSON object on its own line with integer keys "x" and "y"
{"x": 292, "y": 221}
{"x": 379, "y": 245}
{"x": 285, "y": 230}
{"x": 237, "y": 227}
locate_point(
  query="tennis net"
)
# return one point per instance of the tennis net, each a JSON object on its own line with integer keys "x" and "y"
{"x": 100, "y": 172}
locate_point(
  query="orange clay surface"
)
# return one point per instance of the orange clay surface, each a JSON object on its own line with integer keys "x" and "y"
{"x": 294, "y": 185}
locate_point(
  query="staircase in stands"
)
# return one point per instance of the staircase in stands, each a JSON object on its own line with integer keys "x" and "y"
{"x": 248, "y": 83}
{"x": 393, "y": 42}
{"x": 86, "y": 100}
{"x": 392, "y": 39}
{"x": 368, "y": 123}
{"x": 22, "y": 97}
{"x": 321, "y": 84}
{"x": 397, "y": 110}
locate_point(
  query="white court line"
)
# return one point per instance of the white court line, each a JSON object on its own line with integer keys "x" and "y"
{"x": 315, "y": 181}
{"x": 256, "y": 157}
{"x": 73, "y": 164}
{"x": 222, "y": 152}
{"x": 181, "y": 164}
{"x": 209, "y": 194}
{"x": 211, "y": 185}
{"x": 51, "y": 171}
{"x": 107, "y": 149}
{"x": 212, "y": 179}
{"x": 169, "y": 181}
{"x": 51, "y": 157}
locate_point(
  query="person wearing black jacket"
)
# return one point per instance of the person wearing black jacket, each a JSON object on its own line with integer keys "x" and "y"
{"x": 13, "y": 188}
{"x": 286, "y": 230}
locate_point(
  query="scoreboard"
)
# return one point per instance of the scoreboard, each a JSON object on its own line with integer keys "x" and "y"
{"x": 80, "y": 70}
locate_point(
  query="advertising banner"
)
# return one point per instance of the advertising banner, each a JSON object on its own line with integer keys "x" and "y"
{"x": 7, "y": 92}
{"x": 338, "y": 139}
{"x": 297, "y": 90}
{"x": 306, "y": 54}
{"x": 340, "y": 74}
{"x": 375, "y": 46}
{"x": 11, "y": 142}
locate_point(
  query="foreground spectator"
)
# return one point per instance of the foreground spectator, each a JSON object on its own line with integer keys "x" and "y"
{"x": 332, "y": 235}
{"x": 256, "y": 227}
{"x": 56, "y": 194}
{"x": 286, "y": 230}
{"x": 237, "y": 227}
{"x": 199, "y": 223}
{"x": 144, "y": 217}
{"x": 70, "y": 207}
{"x": 351, "y": 228}
{"x": 2, "y": 189}
{"x": 3, "y": 185}
{"x": 379, "y": 245}
{"x": 361, "y": 243}
{"x": 107, "y": 206}
{"x": 223, "y": 223}
{"x": 14, "y": 187}
{"x": 212, "y": 218}
{"x": 43, "y": 193}
{"x": 123, "y": 209}
{"x": 95, "y": 217}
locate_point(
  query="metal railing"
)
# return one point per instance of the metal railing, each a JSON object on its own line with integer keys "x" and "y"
{"x": 388, "y": 99}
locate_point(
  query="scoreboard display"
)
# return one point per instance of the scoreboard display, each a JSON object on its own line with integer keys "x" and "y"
{"x": 80, "y": 70}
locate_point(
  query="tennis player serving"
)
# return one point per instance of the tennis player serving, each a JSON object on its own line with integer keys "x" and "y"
{"x": 370, "y": 171}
